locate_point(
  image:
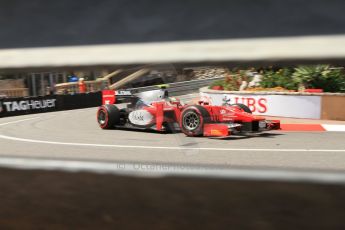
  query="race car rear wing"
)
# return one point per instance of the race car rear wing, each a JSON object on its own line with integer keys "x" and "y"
{"x": 125, "y": 96}
{"x": 117, "y": 96}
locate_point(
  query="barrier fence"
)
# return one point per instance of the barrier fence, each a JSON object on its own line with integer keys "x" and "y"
{"x": 41, "y": 104}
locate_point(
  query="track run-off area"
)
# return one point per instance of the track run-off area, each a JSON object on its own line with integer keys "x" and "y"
{"x": 75, "y": 135}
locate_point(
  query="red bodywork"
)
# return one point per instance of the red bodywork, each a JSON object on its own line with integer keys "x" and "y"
{"x": 220, "y": 116}
{"x": 160, "y": 115}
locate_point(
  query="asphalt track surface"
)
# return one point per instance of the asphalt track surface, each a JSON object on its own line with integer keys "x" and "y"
{"x": 75, "y": 135}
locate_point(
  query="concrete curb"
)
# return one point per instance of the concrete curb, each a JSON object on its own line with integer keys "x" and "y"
{"x": 313, "y": 127}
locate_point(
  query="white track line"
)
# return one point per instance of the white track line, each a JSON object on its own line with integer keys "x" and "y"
{"x": 18, "y": 121}
{"x": 160, "y": 170}
{"x": 334, "y": 128}
{"x": 164, "y": 147}
{"x": 153, "y": 147}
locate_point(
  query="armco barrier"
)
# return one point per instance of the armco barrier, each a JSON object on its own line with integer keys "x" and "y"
{"x": 27, "y": 105}
{"x": 79, "y": 101}
{"x": 41, "y": 104}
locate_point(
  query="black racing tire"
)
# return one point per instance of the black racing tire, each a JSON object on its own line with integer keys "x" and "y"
{"x": 108, "y": 116}
{"x": 192, "y": 120}
{"x": 243, "y": 107}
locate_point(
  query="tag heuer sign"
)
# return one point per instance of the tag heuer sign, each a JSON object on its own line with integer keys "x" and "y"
{"x": 23, "y": 105}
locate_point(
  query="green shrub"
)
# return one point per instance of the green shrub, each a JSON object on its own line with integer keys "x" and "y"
{"x": 230, "y": 83}
{"x": 324, "y": 77}
{"x": 280, "y": 78}
{"x": 217, "y": 83}
{"x": 320, "y": 77}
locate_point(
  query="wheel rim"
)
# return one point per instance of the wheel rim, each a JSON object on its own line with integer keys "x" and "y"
{"x": 191, "y": 121}
{"x": 102, "y": 117}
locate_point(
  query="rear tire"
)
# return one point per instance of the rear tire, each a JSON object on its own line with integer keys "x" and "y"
{"x": 108, "y": 116}
{"x": 243, "y": 107}
{"x": 192, "y": 120}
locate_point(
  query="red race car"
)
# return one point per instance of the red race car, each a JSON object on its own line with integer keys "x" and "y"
{"x": 155, "y": 110}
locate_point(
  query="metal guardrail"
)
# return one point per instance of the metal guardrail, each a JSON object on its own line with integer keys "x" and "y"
{"x": 91, "y": 86}
{"x": 179, "y": 88}
{"x": 174, "y": 89}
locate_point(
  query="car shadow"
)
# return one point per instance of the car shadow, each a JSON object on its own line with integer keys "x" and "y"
{"x": 139, "y": 130}
{"x": 238, "y": 136}
{"x": 248, "y": 136}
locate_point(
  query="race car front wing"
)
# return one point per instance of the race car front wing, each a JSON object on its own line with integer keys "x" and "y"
{"x": 226, "y": 129}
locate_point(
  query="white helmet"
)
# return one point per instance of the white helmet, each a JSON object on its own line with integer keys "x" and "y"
{"x": 151, "y": 96}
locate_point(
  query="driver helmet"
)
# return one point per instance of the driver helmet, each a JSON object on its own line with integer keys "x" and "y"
{"x": 151, "y": 96}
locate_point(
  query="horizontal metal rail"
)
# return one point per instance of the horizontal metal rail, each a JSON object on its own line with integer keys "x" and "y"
{"x": 179, "y": 88}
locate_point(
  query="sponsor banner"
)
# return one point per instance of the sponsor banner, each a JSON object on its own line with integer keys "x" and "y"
{"x": 271, "y": 105}
{"x": 24, "y": 105}
{"x": 19, "y": 106}
{"x": 30, "y": 105}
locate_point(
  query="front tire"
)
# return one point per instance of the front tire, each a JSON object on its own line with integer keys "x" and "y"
{"x": 108, "y": 116}
{"x": 192, "y": 120}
